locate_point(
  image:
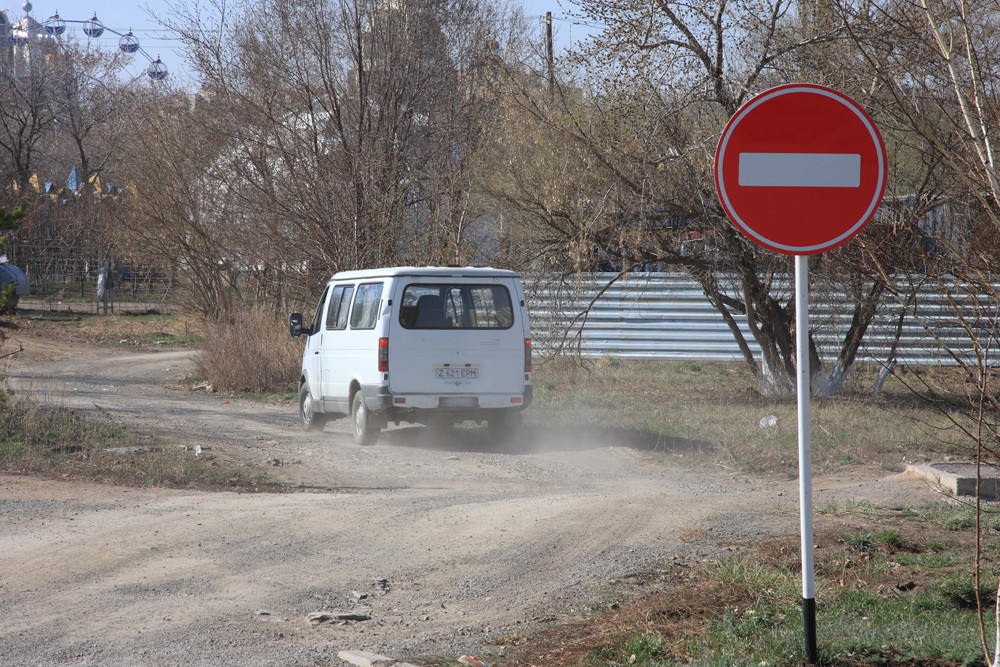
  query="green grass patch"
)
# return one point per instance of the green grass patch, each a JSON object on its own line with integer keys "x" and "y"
{"x": 273, "y": 398}
{"x": 854, "y": 627}
{"x": 959, "y": 517}
{"x": 168, "y": 339}
{"x": 893, "y": 588}
{"x": 643, "y": 649}
{"x": 757, "y": 580}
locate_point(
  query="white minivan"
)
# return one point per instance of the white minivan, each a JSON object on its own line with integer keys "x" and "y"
{"x": 430, "y": 345}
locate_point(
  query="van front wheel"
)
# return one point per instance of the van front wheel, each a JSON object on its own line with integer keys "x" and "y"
{"x": 364, "y": 433}
{"x": 311, "y": 420}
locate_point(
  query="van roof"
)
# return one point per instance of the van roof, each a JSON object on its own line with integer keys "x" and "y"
{"x": 427, "y": 271}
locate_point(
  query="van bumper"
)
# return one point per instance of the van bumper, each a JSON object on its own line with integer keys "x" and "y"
{"x": 379, "y": 398}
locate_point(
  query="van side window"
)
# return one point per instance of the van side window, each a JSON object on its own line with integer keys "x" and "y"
{"x": 318, "y": 315}
{"x": 364, "y": 314}
{"x": 340, "y": 304}
{"x": 427, "y": 306}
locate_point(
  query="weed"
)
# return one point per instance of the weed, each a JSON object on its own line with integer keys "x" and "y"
{"x": 169, "y": 339}
{"x": 828, "y": 508}
{"x": 959, "y": 517}
{"x": 960, "y": 523}
{"x": 608, "y": 361}
{"x": 861, "y": 508}
{"x": 890, "y": 538}
{"x": 861, "y": 543}
{"x": 275, "y": 398}
{"x": 12, "y": 449}
{"x": 931, "y": 559}
{"x": 959, "y": 589}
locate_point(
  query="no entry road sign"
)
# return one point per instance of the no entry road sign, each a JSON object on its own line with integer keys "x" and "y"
{"x": 800, "y": 168}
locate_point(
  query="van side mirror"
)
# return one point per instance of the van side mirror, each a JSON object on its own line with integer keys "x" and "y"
{"x": 295, "y": 325}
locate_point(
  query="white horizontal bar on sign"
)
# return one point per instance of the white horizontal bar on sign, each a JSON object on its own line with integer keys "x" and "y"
{"x": 800, "y": 170}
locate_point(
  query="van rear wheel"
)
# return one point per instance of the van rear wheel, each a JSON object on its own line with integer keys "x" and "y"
{"x": 311, "y": 420}
{"x": 364, "y": 432}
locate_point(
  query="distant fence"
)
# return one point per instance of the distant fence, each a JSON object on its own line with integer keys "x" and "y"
{"x": 71, "y": 274}
{"x": 666, "y": 316}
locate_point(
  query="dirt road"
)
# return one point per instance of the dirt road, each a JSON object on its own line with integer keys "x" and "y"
{"x": 448, "y": 546}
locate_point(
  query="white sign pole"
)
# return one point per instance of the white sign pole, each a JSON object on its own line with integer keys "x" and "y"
{"x": 805, "y": 456}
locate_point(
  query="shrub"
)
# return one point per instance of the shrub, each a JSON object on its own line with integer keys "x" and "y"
{"x": 8, "y": 298}
{"x": 250, "y": 351}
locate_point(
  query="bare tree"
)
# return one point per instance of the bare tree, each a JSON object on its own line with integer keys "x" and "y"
{"x": 28, "y": 112}
{"x": 937, "y": 65}
{"x": 645, "y": 101}
{"x": 347, "y": 134}
{"x": 162, "y": 223}
{"x": 58, "y": 114}
{"x": 90, "y": 123}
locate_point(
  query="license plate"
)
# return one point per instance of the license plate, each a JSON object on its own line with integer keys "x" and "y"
{"x": 456, "y": 373}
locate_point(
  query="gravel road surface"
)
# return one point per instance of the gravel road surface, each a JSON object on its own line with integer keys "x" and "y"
{"x": 447, "y": 544}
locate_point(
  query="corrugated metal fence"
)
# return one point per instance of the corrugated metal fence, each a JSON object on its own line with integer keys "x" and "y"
{"x": 666, "y": 316}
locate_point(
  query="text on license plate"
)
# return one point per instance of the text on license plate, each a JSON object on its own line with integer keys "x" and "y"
{"x": 458, "y": 373}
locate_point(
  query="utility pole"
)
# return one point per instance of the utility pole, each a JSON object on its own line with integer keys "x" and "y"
{"x": 548, "y": 51}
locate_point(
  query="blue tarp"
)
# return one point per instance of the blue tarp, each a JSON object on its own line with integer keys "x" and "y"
{"x": 11, "y": 274}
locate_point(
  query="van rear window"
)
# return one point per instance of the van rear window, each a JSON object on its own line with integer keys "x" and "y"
{"x": 456, "y": 306}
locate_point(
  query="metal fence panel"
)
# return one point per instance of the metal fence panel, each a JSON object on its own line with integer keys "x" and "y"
{"x": 666, "y": 316}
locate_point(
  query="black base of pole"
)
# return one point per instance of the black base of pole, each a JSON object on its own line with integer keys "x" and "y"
{"x": 809, "y": 629}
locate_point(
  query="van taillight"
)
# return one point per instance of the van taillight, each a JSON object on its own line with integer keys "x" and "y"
{"x": 383, "y": 355}
{"x": 527, "y": 355}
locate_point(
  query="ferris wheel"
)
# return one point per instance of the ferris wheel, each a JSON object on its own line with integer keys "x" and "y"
{"x": 27, "y": 31}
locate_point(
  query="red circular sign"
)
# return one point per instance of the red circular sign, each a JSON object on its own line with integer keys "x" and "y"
{"x": 800, "y": 169}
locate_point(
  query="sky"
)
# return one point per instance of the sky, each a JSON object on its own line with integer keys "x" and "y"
{"x": 121, "y": 16}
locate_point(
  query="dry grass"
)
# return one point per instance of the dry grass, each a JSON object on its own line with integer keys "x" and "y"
{"x": 37, "y": 438}
{"x": 250, "y": 352}
{"x": 46, "y": 439}
{"x": 714, "y": 407}
{"x": 146, "y": 327}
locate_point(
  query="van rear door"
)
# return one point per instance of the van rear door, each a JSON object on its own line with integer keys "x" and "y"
{"x": 457, "y": 336}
